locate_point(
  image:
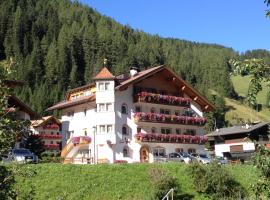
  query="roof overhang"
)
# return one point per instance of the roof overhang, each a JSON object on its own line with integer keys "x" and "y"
{"x": 66, "y": 104}
{"x": 172, "y": 77}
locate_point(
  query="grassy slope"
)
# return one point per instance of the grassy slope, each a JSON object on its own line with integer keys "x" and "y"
{"x": 55, "y": 181}
{"x": 240, "y": 110}
{"x": 241, "y": 84}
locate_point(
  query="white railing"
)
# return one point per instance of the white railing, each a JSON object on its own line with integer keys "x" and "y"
{"x": 168, "y": 195}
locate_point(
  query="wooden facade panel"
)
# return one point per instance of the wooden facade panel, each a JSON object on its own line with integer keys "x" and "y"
{"x": 236, "y": 148}
{"x": 234, "y": 141}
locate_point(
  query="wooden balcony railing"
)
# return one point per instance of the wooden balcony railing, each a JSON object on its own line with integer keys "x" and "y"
{"x": 169, "y": 119}
{"x": 49, "y": 136}
{"x": 171, "y": 138}
{"x": 52, "y": 146}
{"x": 162, "y": 99}
{"x": 75, "y": 141}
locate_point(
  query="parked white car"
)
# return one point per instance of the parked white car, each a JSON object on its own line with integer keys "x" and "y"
{"x": 202, "y": 158}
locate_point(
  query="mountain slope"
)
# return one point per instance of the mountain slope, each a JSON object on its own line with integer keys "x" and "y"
{"x": 60, "y": 44}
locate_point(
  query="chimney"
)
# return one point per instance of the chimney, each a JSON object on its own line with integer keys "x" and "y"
{"x": 133, "y": 71}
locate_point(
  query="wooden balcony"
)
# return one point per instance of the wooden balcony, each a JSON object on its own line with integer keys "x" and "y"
{"x": 79, "y": 141}
{"x": 49, "y": 136}
{"x": 169, "y": 119}
{"x": 148, "y": 97}
{"x": 170, "y": 138}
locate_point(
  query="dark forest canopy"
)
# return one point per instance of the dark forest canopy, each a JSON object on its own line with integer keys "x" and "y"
{"x": 59, "y": 44}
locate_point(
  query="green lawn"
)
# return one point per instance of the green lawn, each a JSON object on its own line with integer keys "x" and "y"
{"x": 119, "y": 181}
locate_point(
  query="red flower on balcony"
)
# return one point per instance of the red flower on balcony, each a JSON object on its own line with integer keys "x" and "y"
{"x": 51, "y": 126}
{"x": 49, "y": 136}
{"x": 81, "y": 139}
{"x": 163, "y": 99}
{"x": 154, "y": 117}
{"x": 171, "y": 138}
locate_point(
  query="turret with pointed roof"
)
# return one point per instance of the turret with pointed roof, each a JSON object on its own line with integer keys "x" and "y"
{"x": 104, "y": 74}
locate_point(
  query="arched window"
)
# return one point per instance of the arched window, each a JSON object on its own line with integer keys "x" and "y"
{"x": 124, "y": 109}
{"x": 153, "y": 130}
{"x": 125, "y": 152}
{"x": 125, "y": 130}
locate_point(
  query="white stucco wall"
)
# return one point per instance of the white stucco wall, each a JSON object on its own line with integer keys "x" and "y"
{"x": 221, "y": 148}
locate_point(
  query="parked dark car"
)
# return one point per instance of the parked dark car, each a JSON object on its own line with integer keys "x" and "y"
{"x": 20, "y": 155}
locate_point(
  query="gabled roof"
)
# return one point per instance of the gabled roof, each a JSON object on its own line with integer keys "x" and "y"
{"x": 237, "y": 129}
{"x": 74, "y": 102}
{"x": 104, "y": 74}
{"x": 186, "y": 87}
{"x": 40, "y": 122}
{"x": 13, "y": 101}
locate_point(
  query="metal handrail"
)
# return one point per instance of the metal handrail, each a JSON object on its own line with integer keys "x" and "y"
{"x": 167, "y": 196}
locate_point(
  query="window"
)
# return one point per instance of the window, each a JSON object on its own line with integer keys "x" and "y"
{"x": 165, "y": 111}
{"x": 153, "y": 130}
{"x": 57, "y": 133}
{"x": 124, "y": 130}
{"x": 165, "y": 130}
{"x": 101, "y": 107}
{"x": 84, "y": 111}
{"x": 191, "y": 132}
{"x": 70, "y": 113}
{"x": 153, "y": 110}
{"x": 178, "y": 131}
{"x": 179, "y": 150}
{"x": 139, "y": 129}
{"x": 191, "y": 150}
{"x": 101, "y": 87}
{"x": 125, "y": 152}
{"x": 177, "y": 112}
{"x": 106, "y": 128}
{"x": 109, "y": 107}
{"x": 138, "y": 109}
{"x": 107, "y": 86}
{"x": 124, "y": 109}
{"x": 85, "y": 132}
{"x": 51, "y": 133}
{"x": 109, "y": 128}
{"x": 159, "y": 152}
{"x": 51, "y": 142}
{"x": 102, "y": 128}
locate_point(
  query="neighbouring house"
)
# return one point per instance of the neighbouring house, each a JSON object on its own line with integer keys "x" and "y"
{"x": 140, "y": 117}
{"x": 237, "y": 142}
{"x": 18, "y": 109}
{"x": 23, "y": 111}
{"x": 49, "y": 130}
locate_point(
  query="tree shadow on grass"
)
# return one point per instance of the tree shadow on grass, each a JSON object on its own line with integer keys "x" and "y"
{"x": 184, "y": 196}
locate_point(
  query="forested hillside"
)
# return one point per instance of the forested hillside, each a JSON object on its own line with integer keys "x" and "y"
{"x": 59, "y": 44}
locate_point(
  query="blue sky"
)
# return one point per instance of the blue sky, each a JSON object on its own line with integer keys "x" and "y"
{"x": 239, "y": 24}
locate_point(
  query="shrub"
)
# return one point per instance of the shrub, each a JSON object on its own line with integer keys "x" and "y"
{"x": 216, "y": 182}
{"x": 162, "y": 182}
{"x": 6, "y": 183}
{"x": 261, "y": 160}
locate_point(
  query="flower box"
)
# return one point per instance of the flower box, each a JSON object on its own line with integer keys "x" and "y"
{"x": 162, "y": 118}
{"x": 162, "y": 99}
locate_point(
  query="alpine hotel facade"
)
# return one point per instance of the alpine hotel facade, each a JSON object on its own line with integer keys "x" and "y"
{"x": 140, "y": 117}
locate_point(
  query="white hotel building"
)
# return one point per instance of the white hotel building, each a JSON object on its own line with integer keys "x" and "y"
{"x": 139, "y": 117}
